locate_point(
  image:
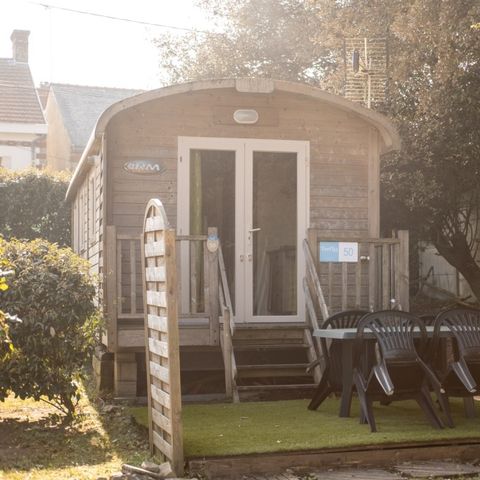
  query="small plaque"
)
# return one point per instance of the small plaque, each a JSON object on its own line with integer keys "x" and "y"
{"x": 338, "y": 252}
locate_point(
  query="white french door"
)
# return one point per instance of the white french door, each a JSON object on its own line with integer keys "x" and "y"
{"x": 255, "y": 192}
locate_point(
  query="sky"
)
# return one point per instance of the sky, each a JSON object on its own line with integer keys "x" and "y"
{"x": 67, "y": 47}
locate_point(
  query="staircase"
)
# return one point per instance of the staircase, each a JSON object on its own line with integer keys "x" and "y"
{"x": 272, "y": 360}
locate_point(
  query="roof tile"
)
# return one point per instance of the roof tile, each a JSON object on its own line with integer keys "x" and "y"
{"x": 18, "y": 98}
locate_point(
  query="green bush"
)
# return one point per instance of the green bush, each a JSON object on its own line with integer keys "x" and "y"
{"x": 52, "y": 293}
{"x": 6, "y": 345}
{"x": 33, "y": 205}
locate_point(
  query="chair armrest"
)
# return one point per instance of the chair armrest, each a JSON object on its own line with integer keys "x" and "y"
{"x": 383, "y": 377}
{"x": 464, "y": 375}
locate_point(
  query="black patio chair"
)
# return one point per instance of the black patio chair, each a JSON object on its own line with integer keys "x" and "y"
{"x": 461, "y": 375}
{"x": 331, "y": 381}
{"x": 399, "y": 373}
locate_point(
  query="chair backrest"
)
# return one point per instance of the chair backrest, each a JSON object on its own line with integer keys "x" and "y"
{"x": 428, "y": 319}
{"x": 333, "y": 355}
{"x": 346, "y": 319}
{"x": 394, "y": 331}
{"x": 464, "y": 324}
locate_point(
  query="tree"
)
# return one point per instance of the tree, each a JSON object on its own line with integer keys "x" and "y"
{"x": 432, "y": 187}
{"x": 33, "y": 205}
{"x": 261, "y": 38}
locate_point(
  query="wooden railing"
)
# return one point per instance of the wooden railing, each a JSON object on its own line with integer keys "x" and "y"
{"x": 378, "y": 280}
{"x": 198, "y": 289}
{"x": 198, "y": 267}
{"x": 228, "y": 331}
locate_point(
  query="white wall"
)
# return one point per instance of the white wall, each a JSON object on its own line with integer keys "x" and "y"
{"x": 15, "y": 158}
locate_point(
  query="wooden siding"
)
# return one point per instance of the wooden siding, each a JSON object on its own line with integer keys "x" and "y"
{"x": 343, "y": 156}
{"x": 343, "y": 170}
{"x": 87, "y": 217}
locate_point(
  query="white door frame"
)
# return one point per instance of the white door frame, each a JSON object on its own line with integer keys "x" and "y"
{"x": 244, "y": 148}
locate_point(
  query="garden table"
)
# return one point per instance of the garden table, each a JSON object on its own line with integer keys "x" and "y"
{"x": 347, "y": 338}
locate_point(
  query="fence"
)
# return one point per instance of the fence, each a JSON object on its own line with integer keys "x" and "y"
{"x": 377, "y": 280}
{"x": 162, "y": 337}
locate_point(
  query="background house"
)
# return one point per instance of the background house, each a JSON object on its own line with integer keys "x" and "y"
{"x": 71, "y": 112}
{"x": 22, "y": 123}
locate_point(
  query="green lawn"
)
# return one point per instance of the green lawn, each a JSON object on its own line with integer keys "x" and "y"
{"x": 229, "y": 429}
{"x": 35, "y": 445}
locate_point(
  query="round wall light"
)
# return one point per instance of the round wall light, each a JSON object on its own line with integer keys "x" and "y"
{"x": 245, "y": 116}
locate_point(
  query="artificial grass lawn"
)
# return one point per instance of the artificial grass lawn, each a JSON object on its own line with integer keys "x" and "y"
{"x": 231, "y": 429}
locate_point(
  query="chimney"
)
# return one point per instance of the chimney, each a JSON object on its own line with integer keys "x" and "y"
{"x": 19, "y": 40}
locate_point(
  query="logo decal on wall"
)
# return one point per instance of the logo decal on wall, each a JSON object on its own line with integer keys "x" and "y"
{"x": 144, "y": 167}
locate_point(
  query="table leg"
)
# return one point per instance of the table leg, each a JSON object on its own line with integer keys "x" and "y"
{"x": 347, "y": 378}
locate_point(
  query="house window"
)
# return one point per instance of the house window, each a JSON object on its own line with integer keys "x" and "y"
{"x": 4, "y": 162}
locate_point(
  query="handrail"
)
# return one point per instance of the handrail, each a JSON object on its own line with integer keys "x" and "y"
{"x": 225, "y": 289}
{"x": 315, "y": 280}
{"x": 228, "y": 330}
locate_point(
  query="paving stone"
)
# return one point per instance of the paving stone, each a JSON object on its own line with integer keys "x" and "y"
{"x": 437, "y": 469}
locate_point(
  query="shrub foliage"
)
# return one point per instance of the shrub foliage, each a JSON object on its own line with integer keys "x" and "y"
{"x": 52, "y": 293}
{"x": 33, "y": 205}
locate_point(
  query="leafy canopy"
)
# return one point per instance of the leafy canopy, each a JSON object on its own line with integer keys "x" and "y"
{"x": 33, "y": 205}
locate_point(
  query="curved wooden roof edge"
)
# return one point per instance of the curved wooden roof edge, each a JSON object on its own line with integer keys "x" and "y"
{"x": 388, "y": 132}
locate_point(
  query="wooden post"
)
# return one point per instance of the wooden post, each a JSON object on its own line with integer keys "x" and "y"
{"x": 196, "y": 228}
{"x": 227, "y": 353}
{"x": 344, "y": 285}
{"x": 110, "y": 280}
{"x": 403, "y": 271}
{"x": 213, "y": 301}
{"x": 372, "y": 277}
{"x": 358, "y": 281}
{"x": 386, "y": 296}
{"x": 133, "y": 278}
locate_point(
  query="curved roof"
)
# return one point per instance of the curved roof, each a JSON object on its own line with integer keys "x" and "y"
{"x": 389, "y": 134}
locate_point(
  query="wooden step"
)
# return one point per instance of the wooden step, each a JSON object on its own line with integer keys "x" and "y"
{"x": 272, "y": 370}
{"x": 268, "y": 346}
{"x": 263, "y": 388}
{"x": 270, "y": 326}
{"x": 270, "y": 335}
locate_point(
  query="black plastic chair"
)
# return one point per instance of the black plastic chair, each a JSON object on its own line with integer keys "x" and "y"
{"x": 461, "y": 375}
{"x": 399, "y": 373}
{"x": 331, "y": 381}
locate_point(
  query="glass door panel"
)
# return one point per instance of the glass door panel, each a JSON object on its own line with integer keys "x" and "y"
{"x": 212, "y": 204}
{"x": 273, "y": 234}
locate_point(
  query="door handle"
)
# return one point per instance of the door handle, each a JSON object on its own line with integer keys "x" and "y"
{"x": 254, "y": 230}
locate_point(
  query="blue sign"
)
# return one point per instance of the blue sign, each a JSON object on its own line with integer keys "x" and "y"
{"x": 338, "y": 252}
{"x": 329, "y": 251}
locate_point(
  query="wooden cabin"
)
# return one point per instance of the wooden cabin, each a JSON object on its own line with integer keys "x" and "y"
{"x": 272, "y": 169}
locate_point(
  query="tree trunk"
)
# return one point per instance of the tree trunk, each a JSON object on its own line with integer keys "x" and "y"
{"x": 457, "y": 253}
